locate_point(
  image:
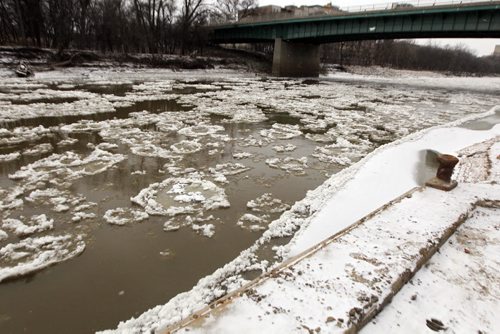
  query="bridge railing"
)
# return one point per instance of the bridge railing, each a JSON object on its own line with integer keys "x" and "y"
{"x": 403, "y": 5}
{"x": 391, "y": 6}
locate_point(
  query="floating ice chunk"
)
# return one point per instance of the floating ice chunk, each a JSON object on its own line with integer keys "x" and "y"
{"x": 9, "y": 156}
{"x": 284, "y": 148}
{"x": 256, "y": 228}
{"x": 9, "y": 198}
{"x": 139, "y": 172}
{"x": 267, "y": 204}
{"x": 252, "y": 141}
{"x": 62, "y": 168}
{"x": 249, "y": 115}
{"x": 207, "y": 230}
{"x": 32, "y": 254}
{"x": 229, "y": 169}
{"x": 242, "y": 155}
{"x": 323, "y": 154}
{"x": 41, "y": 195}
{"x": 251, "y": 222}
{"x": 150, "y": 150}
{"x": 169, "y": 227}
{"x": 79, "y": 216}
{"x": 39, "y": 149}
{"x": 3, "y": 235}
{"x": 178, "y": 171}
{"x": 169, "y": 126}
{"x": 61, "y": 208}
{"x": 186, "y": 147}
{"x": 167, "y": 253}
{"x": 219, "y": 177}
{"x": 84, "y": 126}
{"x": 35, "y": 110}
{"x": 36, "y": 224}
{"x": 107, "y": 146}
{"x": 313, "y": 123}
{"x": 281, "y": 131}
{"x": 122, "y": 216}
{"x": 67, "y": 142}
{"x": 60, "y": 199}
{"x": 200, "y": 130}
{"x": 85, "y": 206}
{"x": 320, "y": 138}
{"x": 289, "y": 164}
{"x": 180, "y": 195}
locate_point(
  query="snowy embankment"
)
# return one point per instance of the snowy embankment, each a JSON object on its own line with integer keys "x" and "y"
{"x": 341, "y": 283}
{"x": 383, "y": 175}
{"x": 349, "y": 195}
{"x": 458, "y": 289}
{"x": 416, "y": 78}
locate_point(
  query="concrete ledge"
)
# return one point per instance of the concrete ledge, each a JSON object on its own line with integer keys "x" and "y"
{"x": 343, "y": 282}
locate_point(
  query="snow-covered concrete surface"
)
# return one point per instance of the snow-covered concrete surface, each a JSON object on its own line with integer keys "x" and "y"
{"x": 459, "y": 287}
{"x": 341, "y": 283}
{"x": 390, "y": 171}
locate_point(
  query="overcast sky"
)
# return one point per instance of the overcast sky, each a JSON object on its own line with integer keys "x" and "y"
{"x": 480, "y": 46}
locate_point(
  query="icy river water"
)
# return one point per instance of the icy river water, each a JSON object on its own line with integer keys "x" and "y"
{"x": 120, "y": 189}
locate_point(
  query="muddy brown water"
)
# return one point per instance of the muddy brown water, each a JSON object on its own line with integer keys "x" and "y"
{"x": 122, "y": 272}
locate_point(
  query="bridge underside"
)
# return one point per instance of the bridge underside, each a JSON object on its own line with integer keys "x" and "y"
{"x": 297, "y": 39}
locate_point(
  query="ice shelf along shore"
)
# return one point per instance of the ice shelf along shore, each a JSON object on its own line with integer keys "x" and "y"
{"x": 105, "y": 170}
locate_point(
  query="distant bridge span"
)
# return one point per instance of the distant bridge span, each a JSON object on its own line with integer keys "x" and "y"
{"x": 297, "y": 40}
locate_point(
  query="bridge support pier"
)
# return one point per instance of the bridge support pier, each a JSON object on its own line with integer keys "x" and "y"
{"x": 295, "y": 59}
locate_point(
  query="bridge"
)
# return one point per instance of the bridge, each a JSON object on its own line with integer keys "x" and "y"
{"x": 297, "y": 40}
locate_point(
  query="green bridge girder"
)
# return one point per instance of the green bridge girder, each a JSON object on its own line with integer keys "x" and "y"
{"x": 477, "y": 20}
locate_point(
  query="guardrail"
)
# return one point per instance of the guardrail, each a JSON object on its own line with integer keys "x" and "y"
{"x": 391, "y": 6}
{"x": 412, "y": 4}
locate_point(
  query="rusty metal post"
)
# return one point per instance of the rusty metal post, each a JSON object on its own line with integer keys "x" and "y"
{"x": 443, "y": 180}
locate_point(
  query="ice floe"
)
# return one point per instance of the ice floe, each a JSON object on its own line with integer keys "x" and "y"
{"x": 186, "y": 147}
{"x": 267, "y": 204}
{"x": 284, "y": 148}
{"x": 122, "y": 216}
{"x": 59, "y": 169}
{"x": 281, "y": 131}
{"x": 32, "y": 254}
{"x": 207, "y": 230}
{"x": 289, "y": 164}
{"x": 9, "y": 156}
{"x": 36, "y": 224}
{"x": 243, "y": 155}
{"x": 181, "y": 195}
{"x": 200, "y": 130}
{"x": 252, "y": 222}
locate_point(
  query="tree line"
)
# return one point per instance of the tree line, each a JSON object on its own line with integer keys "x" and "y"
{"x": 179, "y": 27}
{"x": 149, "y": 26}
{"x": 406, "y": 54}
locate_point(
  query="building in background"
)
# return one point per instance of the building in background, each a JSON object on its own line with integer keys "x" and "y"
{"x": 273, "y": 12}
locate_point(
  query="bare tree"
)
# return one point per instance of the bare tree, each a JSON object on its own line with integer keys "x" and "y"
{"x": 190, "y": 12}
{"x": 234, "y": 10}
